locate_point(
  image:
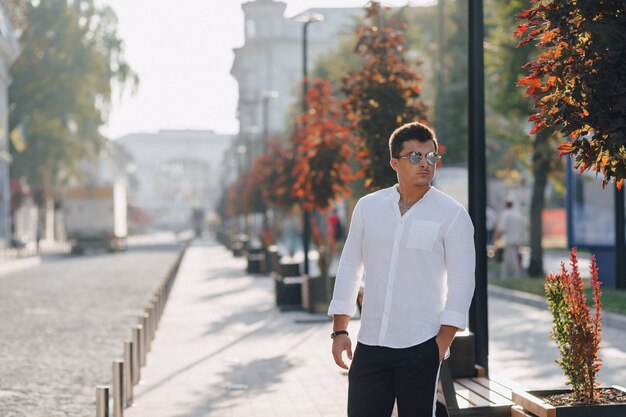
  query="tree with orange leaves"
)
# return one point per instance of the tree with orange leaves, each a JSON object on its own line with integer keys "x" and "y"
{"x": 324, "y": 150}
{"x": 575, "y": 80}
{"x": 383, "y": 94}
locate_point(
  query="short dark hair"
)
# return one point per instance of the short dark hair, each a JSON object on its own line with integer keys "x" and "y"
{"x": 410, "y": 131}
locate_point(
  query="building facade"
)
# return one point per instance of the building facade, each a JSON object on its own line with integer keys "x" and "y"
{"x": 9, "y": 52}
{"x": 175, "y": 172}
{"x": 269, "y": 66}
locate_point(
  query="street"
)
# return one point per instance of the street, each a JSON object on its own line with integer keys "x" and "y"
{"x": 65, "y": 320}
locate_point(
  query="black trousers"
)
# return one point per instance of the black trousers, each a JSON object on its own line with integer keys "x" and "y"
{"x": 379, "y": 375}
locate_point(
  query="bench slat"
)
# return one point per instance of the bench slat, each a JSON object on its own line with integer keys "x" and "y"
{"x": 492, "y": 396}
{"x": 472, "y": 397}
{"x": 461, "y": 402}
{"x": 494, "y": 385}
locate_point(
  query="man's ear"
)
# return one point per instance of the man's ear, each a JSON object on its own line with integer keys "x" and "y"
{"x": 394, "y": 164}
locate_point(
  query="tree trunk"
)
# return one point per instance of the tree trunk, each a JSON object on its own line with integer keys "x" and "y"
{"x": 543, "y": 152}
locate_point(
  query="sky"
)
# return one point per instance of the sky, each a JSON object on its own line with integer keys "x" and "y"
{"x": 182, "y": 51}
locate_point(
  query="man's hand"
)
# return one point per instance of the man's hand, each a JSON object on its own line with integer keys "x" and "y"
{"x": 444, "y": 340}
{"x": 340, "y": 343}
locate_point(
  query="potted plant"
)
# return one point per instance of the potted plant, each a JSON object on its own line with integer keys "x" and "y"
{"x": 577, "y": 333}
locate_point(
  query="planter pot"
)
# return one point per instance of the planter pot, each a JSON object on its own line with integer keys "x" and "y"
{"x": 256, "y": 261}
{"x": 288, "y": 292}
{"x": 316, "y": 293}
{"x": 531, "y": 404}
{"x": 237, "y": 249}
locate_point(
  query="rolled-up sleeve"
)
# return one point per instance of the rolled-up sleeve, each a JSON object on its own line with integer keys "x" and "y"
{"x": 350, "y": 269}
{"x": 460, "y": 258}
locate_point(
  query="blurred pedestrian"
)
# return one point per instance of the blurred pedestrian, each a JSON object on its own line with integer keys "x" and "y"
{"x": 334, "y": 229}
{"x": 291, "y": 233}
{"x": 491, "y": 220}
{"x": 511, "y": 230}
{"x": 414, "y": 247}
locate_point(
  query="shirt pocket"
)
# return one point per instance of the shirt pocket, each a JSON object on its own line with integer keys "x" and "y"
{"x": 422, "y": 235}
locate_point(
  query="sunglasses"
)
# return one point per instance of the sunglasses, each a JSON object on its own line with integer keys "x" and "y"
{"x": 416, "y": 157}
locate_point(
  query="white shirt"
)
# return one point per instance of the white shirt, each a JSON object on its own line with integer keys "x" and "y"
{"x": 418, "y": 269}
{"x": 513, "y": 227}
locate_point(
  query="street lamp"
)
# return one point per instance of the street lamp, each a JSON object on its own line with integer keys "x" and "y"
{"x": 307, "y": 19}
{"x": 265, "y": 102}
{"x": 248, "y": 135}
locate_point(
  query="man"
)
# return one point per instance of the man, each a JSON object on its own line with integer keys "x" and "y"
{"x": 512, "y": 230}
{"x": 413, "y": 245}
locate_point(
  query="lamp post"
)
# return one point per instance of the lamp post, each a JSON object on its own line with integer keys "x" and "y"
{"x": 265, "y": 102}
{"x": 306, "y": 226}
{"x": 477, "y": 179}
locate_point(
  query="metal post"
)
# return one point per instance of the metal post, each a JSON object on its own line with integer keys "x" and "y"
{"x": 118, "y": 388}
{"x": 102, "y": 401}
{"x": 136, "y": 334}
{"x": 620, "y": 246}
{"x": 148, "y": 312}
{"x": 153, "y": 320}
{"x": 142, "y": 340}
{"x": 161, "y": 302}
{"x": 477, "y": 179}
{"x": 306, "y": 216}
{"x": 128, "y": 373}
{"x": 157, "y": 310}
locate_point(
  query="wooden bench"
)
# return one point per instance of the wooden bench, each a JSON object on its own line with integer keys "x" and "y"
{"x": 473, "y": 396}
{"x": 464, "y": 387}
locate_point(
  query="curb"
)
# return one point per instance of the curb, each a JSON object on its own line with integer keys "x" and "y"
{"x": 127, "y": 371}
{"x": 616, "y": 321}
{"x": 15, "y": 265}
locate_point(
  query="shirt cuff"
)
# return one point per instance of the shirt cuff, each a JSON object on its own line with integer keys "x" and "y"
{"x": 338, "y": 307}
{"x": 453, "y": 318}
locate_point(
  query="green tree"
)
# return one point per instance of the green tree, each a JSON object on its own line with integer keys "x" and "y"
{"x": 61, "y": 88}
{"x": 451, "y": 69}
{"x": 573, "y": 80}
{"x": 509, "y": 143}
{"x": 382, "y": 95}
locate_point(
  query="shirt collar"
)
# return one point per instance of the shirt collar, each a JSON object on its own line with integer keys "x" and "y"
{"x": 394, "y": 193}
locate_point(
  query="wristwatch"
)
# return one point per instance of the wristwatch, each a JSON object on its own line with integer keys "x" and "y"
{"x": 338, "y": 332}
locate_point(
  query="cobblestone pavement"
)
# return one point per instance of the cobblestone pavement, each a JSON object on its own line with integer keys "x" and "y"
{"x": 63, "y": 323}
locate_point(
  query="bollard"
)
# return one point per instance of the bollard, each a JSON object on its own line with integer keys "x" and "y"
{"x": 155, "y": 304}
{"x": 163, "y": 298}
{"x": 151, "y": 324}
{"x": 118, "y": 388}
{"x": 148, "y": 328}
{"x": 102, "y": 401}
{"x": 128, "y": 373}
{"x": 142, "y": 341}
{"x": 136, "y": 334}
{"x": 156, "y": 300}
{"x": 155, "y": 318}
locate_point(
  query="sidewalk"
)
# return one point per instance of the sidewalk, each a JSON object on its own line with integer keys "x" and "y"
{"x": 224, "y": 349}
{"x": 12, "y": 259}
